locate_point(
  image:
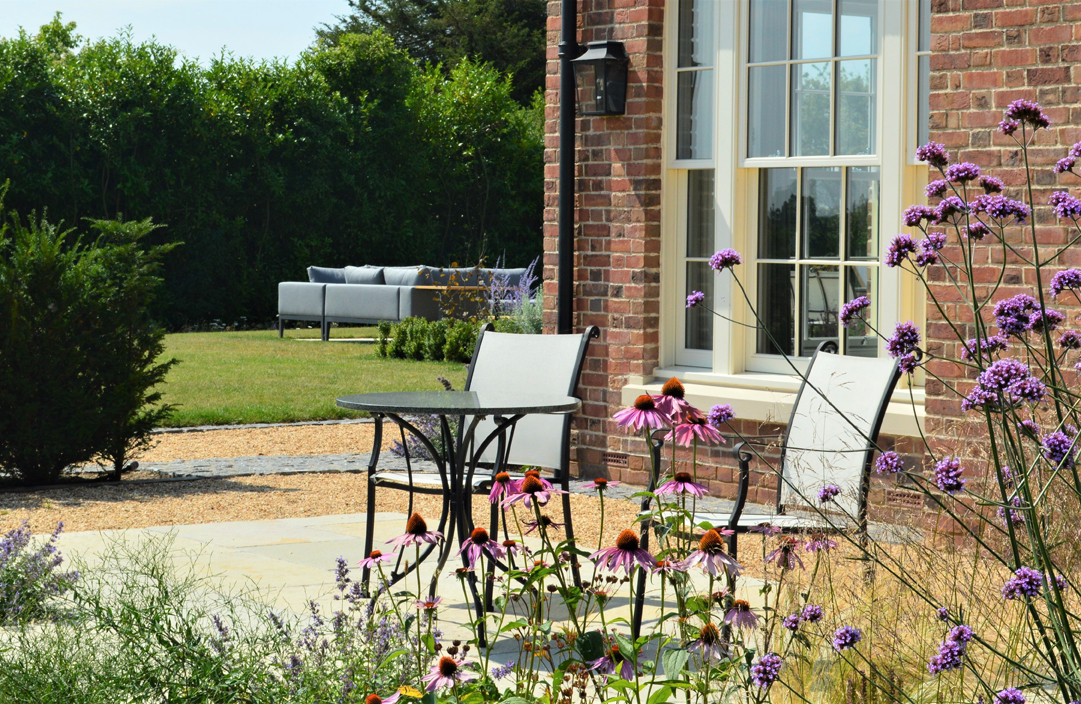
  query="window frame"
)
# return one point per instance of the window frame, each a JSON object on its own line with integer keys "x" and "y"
{"x": 912, "y": 88}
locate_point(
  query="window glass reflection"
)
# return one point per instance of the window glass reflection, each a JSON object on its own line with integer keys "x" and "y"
{"x": 766, "y": 111}
{"x": 812, "y": 29}
{"x": 696, "y": 21}
{"x": 856, "y": 106}
{"x": 769, "y": 30}
{"x": 694, "y": 115}
{"x": 821, "y": 212}
{"x": 776, "y": 301}
{"x": 819, "y": 306}
{"x": 811, "y": 109}
{"x": 777, "y": 214}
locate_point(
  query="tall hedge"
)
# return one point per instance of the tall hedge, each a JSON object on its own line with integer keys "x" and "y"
{"x": 350, "y": 155}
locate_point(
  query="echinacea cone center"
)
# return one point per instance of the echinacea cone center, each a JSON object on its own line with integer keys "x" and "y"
{"x": 416, "y": 525}
{"x": 376, "y": 554}
{"x": 600, "y": 481}
{"x": 683, "y": 477}
{"x": 741, "y": 605}
{"x": 627, "y": 541}
{"x": 447, "y": 666}
{"x": 709, "y": 634}
{"x": 645, "y": 403}
{"x": 673, "y": 387}
{"x": 711, "y": 542}
{"x": 531, "y": 485}
{"x": 502, "y": 477}
{"x": 509, "y": 543}
{"x": 479, "y": 536}
{"x": 373, "y": 699}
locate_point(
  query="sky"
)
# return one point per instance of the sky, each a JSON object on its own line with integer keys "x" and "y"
{"x": 262, "y": 29}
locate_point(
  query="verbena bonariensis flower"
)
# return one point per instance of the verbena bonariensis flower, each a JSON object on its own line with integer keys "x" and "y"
{"x": 828, "y": 492}
{"x": 950, "y": 206}
{"x": 1001, "y": 208}
{"x": 643, "y": 414}
{"x": 708, "y": 643}
{"x": 766, "y": 670}
{"x": 930, "y": 246}
{"x": 1065, "y": 280}
{"x": 951, "y": 652}
{"x": 976, "y": 231}
{"x": 694, "y": 298}
{"x": 479, "y": 543}
{"x": 943, "y": 613}
{"x": 1027, "y": 111}
{"x": 416, "y": 532}
{"x": 792, "y": 622}
{"x": 1010, "y": 695}
{"x": 725, "y": 259}
{"x": 906, "y": 339}
{"x": 502, "y": 671}
{"x": 711, "y": 557}
{"x": 614, "y": 659}
{"x": 374, "y": 559}
{"x": 531, "y": 487}
{"x": 991, "y": 184}
{"x": 1058, "y": 449}
{"x": 599, "y": 484}
{"x": 901, "y": 246}
{"x": 1065, "y": 205}
{"x": 1064, "y": 164}
{"x": 1075, "y": 150}
{"x": 1048, "y": 319}
{"x": 812, "y": 613}
{"x": 501, "y": 484}
{"x": 721, "y": 413}
{"x": 741, "y": 615}
{"x": 934, "y": 154}
{"x": 1008, "y": 127}
{"x": 695, "y": 429}
{"x": 1011, "y": 515}
{"x": 853, "y": 309}
{"x": 447, "y": 672}
{"x": 1070, "y": 340}
{"x": 948, "y": 477}
{"x": 986, "y": 345}
{"x": 846, "y": 637}
{"x": 682, "y": 483}
{"x": 963, "y": 172}
{"x": 915, "y": 215}
{"x": 819, "y": 543}
{"x": 889, "y": 462}
{"x": 935, "y": 189}
{"x": 785, "y": 555}
{"x": 1025, "y": 582}
{"x": 625, "y": 554}
{"x": 1014, "y": 315}
{"x": 1005, "y": 383}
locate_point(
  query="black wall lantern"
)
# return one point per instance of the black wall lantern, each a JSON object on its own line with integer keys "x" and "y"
{"x": 600, "y": 76}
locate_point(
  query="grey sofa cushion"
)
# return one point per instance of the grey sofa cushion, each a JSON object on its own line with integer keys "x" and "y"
{"x": 361, "y": 303}
{"x": 514, "y": 276}
{"x": 407, "y": 275}
{"x": 372, "y": 275}
{"x": 461, "y": 276}
{"x": 298, "y": 298}
{"x": 421, "y": 303}
{"x": 325, "y": 275}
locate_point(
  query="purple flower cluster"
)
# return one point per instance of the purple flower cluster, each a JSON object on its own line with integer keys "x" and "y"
{"x": 963, "y": 172}
{"x": 694, "y": 298}
{"x": 1027, "y": 111}
{"x": 719, "y": 414}
{"x": 1065, "y": 280}
{"x": 935, "y": 189}
{"x": 934, "y": 154}
{"x": 1065, "y": 164}
{"x": 828, "y": 493}
{"x": 792, "y": 622}
{"x": 992, "y": 343}
{"x": 1008, "y": 127}
{"x": 915, "y": 215}
{"x": 765, "y": 671}
{"x": 906, "y": 339}
{"x": 1070, "y": 340}
{"x": 908, "y": 363}
{"x": 725, "y": 259}
{"x": 943, "y": 613}
{"x": 1009, "y": 515}
{"x": 889, "y": 462}
{"x": 951, "y": 652}
{"x": 812, "y": 613}
{"x": 1014, "y": 315}
{"x": 1010, "y": 695}
{"x": 930, "y": 247}
{"x": 1025, "y": 582}
{"x": 1058, "y": 449}
{"x": 853, "y": 309}
{"x": 900, "y": 248}
{"x": 991, "y": 184}
{"x": 1001, "y": 208}
{"x": 1047, "y": 319}
{"x": 977, "y": 231}
{"x": 29, "y": 579}
{"x": 948, "y": 475}
{"x": 1011, "y": 377}
{"x": 1065, "y": 205}
{"x": 846, "y": 638}
{"x": 950, "y": 206}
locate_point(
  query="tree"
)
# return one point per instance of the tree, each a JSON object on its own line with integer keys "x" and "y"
{"x": 508, "y": 34}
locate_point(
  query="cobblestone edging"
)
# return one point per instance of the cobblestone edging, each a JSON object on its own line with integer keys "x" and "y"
{"x": 256, "y": 426}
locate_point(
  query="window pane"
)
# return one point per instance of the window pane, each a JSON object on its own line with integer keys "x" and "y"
{"x": 812, "y": 30}
{"x": 694, "y": 115}
{"x": 700, "y": 213}
{"x": 696, "y": 18}
{"x": 821, "y": 222}
{"x": 765, "y": 118}
{"x": 925, "y": 25}
{"x": 923, "y": 101}
{"x": 699, "y": 330}
{"x": 811, "y": 109}
{"x": 776, "y": 303}
{"x": 856, "y": 107}
{"x": 858, "y": 33}
{"x": 769, "y": 30}
{"x": 861, "y": 212}
{"x": 819, "y": 293}
{"x": 777, "y": 214}
{"x": 860, "y": 340}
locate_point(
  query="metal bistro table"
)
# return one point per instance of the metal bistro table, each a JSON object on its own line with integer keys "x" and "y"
{"x": 461, "y": 454}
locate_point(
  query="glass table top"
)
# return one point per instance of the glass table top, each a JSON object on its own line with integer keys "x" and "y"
{"x": 460, "y": 403}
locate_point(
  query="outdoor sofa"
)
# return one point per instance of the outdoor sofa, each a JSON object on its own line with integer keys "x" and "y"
{"x": 370, "y": 294}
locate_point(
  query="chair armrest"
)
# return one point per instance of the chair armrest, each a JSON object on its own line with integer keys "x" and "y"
{"x": 744, "y": 454}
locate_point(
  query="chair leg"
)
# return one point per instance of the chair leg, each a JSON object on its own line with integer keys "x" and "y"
{"x": 369, "y": 516}
{"x": 281, "y": 327}
{"x": 489, "y": 581}
{"x": 568, "y": 521}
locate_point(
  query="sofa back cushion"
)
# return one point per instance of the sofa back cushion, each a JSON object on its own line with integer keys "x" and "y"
{"x": 325, "y": 275}
{"x": 407, "y": 275}
{"x": 364, "y": 275}
{"x": 461, "y": 276}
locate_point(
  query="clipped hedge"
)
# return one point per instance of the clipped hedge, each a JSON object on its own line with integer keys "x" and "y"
{"x": 416, "y": 338}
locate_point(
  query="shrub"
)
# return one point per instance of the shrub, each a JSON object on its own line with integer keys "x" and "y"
{"x": 461, "y": 339}
{"x": 383, "y": 337}
{"x": 435, "y": 344}
{"x": 29, "y": 579}
{"x": 78, "y": 349}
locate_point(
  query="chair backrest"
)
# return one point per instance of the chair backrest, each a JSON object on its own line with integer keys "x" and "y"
{"x": 548, "y": 364}
{"x": 833, "y": 429}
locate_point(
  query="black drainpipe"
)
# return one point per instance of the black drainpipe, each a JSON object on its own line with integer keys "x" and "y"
{"x": 568, "y": 49}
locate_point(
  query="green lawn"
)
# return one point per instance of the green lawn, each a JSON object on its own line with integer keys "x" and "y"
{"x": 253, "y": 377}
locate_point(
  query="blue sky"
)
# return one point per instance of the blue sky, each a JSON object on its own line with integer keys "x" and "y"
{"x": 262, "y": 29}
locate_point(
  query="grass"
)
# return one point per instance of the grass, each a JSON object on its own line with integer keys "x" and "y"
{"x": 253, "y": 377}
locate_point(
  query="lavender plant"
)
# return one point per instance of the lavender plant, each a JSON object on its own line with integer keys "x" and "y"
{"x": 30, "y": 578}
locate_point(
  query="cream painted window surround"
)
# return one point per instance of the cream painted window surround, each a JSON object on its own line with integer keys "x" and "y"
{"x": 732, "y": 372}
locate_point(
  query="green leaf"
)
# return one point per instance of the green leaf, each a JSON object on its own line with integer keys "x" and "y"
{"x": 515, "y": 700}
{"x": 661, "y": 696}
{"x": 520, "y": 623}
{"x": 626, "y": 648}
{"x": 429, "y": 698}
{"x": 674, "y": 662}
{"x": 473, "y": 698}
{"x": 590, "y": 646}
{"x": 429, "y": 643}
